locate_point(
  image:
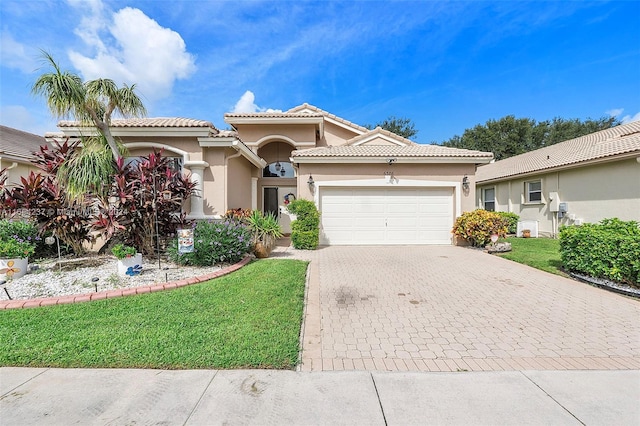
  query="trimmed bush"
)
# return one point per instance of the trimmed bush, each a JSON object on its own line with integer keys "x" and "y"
{"x": 609, "y": 249}
{"x": 477, "y": 227}
{"x": 214, "y": 242}
{"x": 512, "y": 221}
{"x": 305, "y": 230}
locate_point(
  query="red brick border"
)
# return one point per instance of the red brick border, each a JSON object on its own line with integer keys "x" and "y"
{"x": 111, "y": 294}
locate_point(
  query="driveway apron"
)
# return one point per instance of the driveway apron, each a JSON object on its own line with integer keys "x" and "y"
{"x": 446, "y": 308}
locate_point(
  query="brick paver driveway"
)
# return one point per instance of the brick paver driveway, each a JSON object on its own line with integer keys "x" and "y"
{"x": 441, "y": 308}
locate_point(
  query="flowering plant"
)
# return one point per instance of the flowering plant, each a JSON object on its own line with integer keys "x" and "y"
{"x": 12, "y": 248}
{"x": 122, "y": 251}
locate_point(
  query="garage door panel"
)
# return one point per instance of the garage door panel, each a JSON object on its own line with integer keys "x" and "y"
{"x": 386, "y": 216}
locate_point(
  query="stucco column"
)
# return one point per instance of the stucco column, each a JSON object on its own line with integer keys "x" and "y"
{"x": 254, "y": 193}
{"x": 197, "y": 199}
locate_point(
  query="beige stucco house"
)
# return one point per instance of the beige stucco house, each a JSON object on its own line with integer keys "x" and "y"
{"x": 16, "y": 153}
{"x": 371, "y": 186}
{"x": 586, "y": 179}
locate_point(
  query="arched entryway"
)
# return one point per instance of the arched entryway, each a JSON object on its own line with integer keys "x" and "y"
{"x": 277, "y": 185}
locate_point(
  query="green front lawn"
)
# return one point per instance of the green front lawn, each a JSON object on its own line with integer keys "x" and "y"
{"x": 248, "y": 319}
{"x": 540, "y": 253}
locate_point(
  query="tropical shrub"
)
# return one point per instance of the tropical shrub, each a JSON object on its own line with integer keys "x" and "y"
{"x": 214, "y": 242}
{"x": 512, "y": 221}
{"x": 609, "y": 249}
{"x": 143, "y": 197}
{"x": 305, "y": 230}
{"x": 264, "y": 228}
{"x": 477, "y": 226}
{"x": 40, "y": 198}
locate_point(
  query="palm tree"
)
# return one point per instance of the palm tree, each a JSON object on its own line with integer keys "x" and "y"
{"x": 91, "y": 103}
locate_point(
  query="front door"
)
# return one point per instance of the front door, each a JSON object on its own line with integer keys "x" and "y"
{"x": 275, "y": 200}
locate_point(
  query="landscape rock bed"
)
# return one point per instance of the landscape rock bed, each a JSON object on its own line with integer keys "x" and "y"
{"x": 74, "y": 276}
{"x": 627, "y": 290}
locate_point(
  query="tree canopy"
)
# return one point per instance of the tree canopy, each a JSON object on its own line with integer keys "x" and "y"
{"x": 91, "y": 103}
{"x": 400, "y": 126}
{"x": 511, "y": 136}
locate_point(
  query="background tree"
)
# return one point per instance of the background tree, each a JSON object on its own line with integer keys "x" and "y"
{"x": 91, "y": 103}
{"x": 400, "y": 126}
{"x": 511, "y": 136}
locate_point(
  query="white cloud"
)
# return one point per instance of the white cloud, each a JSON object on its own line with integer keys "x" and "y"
{"x": 615, "y": 112}
{"x": 21, "y": 118}
{"x": 131, "y": 48}
{"x": 629, "y": 118}
{"x": 14, "y": 54}
{"x": 246, "y": 103}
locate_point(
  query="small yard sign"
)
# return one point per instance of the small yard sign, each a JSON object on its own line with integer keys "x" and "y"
{"x": 185, "y": 241}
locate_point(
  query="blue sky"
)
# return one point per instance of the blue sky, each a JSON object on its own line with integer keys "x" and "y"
{"x": 446, "y": 65}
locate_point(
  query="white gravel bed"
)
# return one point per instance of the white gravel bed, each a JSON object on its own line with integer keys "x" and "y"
{"x": 49, "y": 281}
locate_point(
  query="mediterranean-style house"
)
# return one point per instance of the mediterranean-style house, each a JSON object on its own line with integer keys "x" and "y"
{"x": 586, "y": 179}
{"x": 16, "y": 153}
{"x": 371, "y": 186}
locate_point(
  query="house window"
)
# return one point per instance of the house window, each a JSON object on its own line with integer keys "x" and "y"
{"x": 534, "y": 191}
{"x": 489, "y": 199}
{"x": 279, "y": 169}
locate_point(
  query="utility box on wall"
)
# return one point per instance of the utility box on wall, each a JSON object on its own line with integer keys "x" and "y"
{"x": 562, "y": 209}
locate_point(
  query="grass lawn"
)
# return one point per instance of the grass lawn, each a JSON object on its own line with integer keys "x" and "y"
{"x": 540, "y": 253}
{"x": 248, "y": 319}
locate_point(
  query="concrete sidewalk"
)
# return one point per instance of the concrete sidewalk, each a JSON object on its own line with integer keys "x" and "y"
{"x": 209, "y": 397}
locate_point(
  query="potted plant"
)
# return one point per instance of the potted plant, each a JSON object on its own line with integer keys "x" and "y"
{"x": 14, "y": 257}
{"x": 129, "y": 260}
{"x": 265, "y": 230}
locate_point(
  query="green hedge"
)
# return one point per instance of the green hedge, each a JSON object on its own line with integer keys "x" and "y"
{"x": 305, "y": 230}
{"x": 512, "y": 221}
{"x": 610, "y": 249}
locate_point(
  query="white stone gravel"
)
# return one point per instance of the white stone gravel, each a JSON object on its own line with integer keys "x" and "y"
{"x": 48, "y": 281}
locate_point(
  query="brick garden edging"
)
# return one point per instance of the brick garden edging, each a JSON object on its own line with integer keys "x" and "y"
{"x": 112, "y": 294}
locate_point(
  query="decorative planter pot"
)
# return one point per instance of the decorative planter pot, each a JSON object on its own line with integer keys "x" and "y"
{"x": 13, "y": 268}
{"x": 526, "y": 233}
{"x": 130, "y": 266}
{"x": 261, "y": 250}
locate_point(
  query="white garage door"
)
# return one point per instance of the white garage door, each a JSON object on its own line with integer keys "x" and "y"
{"x": 386, "y": 216}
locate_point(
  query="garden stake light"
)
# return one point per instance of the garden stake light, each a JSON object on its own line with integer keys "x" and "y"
{"x": 3, "y": 284}
{"x": 95, "y": 280}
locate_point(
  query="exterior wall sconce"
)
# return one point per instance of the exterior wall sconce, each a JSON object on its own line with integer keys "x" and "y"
{"x": 465, "y": 182}
{"x": 388, "y": 176}
{"x": 311, "y": 182}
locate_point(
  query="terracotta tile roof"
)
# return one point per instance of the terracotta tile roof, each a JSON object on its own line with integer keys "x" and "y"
{"x": 17, "y": 143}
{"x": 151, "y": 122}
{"x": 413, "y": 150}
{"x": 324, "y": 113}
{"x": 618, "y": 140}
{"x": 286, "y": 114}
{"x": 380, "y": 131}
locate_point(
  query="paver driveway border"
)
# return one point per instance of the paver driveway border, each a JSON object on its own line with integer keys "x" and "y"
{"x": 447, "y": 308}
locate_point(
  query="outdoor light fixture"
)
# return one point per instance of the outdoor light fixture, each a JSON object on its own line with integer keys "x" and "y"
{"x": 310, "y": 182}
{"x": 278, "y": 165}
{"x": 465, "y": 182}
{"x": 388, "y": 176}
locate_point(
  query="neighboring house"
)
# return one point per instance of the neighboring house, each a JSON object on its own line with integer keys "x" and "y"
{"x": 586, "y": 179}
{"x": 371, "y": 186}
{"x": 16, "y": 153}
